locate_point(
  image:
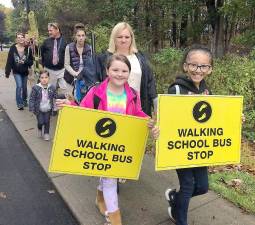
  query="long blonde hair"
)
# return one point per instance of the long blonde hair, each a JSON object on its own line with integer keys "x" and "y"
{"x": 117, "y": 28}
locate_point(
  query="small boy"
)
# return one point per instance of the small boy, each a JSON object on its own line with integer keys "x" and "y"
{"x": 41, "y": 103}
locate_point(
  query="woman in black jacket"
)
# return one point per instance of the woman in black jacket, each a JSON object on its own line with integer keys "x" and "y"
{"x": 18, "y": 61}
{"x": 122, "y": 41}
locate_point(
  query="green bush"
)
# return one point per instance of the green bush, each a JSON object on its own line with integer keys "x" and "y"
{"x": 166, "y": 65}
{"x": 246, "y": 39}
{"x": 102, "y": 37}
{"x": 234, "y": 75}
{"x": 252, "y": 54}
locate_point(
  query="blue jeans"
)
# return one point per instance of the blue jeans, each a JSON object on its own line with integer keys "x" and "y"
{"x": 193, "y": 182}
{"x": 21, "y": 89}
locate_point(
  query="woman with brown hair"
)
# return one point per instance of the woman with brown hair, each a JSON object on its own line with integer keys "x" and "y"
{"x": 18, "y": 61}
{"x": 79, "y": 64}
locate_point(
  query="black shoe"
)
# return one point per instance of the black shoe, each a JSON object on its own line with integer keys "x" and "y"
{"x": 21, "y": 108}
{"x": 170, "y": 196}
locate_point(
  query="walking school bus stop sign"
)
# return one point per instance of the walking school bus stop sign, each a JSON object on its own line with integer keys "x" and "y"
{"x": 97, "y": 143}
{"x": 198, "y": 131}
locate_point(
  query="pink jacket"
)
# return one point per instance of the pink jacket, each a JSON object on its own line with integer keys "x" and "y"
{"x": 133, "y": 106}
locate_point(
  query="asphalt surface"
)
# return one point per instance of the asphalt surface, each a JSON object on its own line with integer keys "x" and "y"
{"x": 27, "y": 196}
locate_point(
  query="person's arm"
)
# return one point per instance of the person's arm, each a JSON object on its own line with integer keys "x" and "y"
{"x": 29, "y": 60}
{"x": 151, "y": 122}
{"x": 9, "y": 63}
{"x": 152, "y": 91}
{"x": 139, "y": 112}
{"x": 42, "y": 50}
{"x": 87, "y": 101}
{"x": 100, "y": 63}
{"x": 67, "y": 62}
{"x": 32, "y": 100}
{"x": 88, "y": 74}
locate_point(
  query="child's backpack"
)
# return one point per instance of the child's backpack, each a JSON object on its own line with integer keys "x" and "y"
{"x": 79, "y": 89}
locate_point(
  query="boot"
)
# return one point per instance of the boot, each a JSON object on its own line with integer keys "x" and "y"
{"x": 115, "y": 218}
{"x": 100, "y": 202}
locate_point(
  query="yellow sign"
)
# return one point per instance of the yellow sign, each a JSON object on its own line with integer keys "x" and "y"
{"x": 198, "y": 131}
{"x": 98, "y": 143}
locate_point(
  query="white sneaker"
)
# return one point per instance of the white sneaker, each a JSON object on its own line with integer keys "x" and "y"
{"x": 169, "y": 194}
{"x": 122, "y": 181}
{"x": 46, "y": 137}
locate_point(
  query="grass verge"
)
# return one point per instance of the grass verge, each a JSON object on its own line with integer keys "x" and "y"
{"x": 3, "y": 58}
{"x": 236, "y": 182}
{"x": 236, "y": 186}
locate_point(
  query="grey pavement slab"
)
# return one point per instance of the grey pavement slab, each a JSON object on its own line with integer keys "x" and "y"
{"x": 142, "y": 202}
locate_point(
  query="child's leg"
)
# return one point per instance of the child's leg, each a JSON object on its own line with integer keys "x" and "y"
{"x": 47, "y": 122}
{"x": 100, "y": 203}
{"x": 200, "y": 181}
{"x": 40, "y": 120}
{"x": 182, "y": 198}
{"x": 110, "y": 194}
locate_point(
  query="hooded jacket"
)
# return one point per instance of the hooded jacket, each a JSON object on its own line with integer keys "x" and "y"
{"x": 187, "y": 86}
{"x": 36, "y": 96}
{"x": 148, "y": 90}
{"x": 133, "y": 106}
{"x": 13, "y": 61}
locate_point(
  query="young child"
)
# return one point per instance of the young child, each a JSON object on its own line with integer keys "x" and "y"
{"x": 197, "y": 64}
{"x": 41, "y": 104}
{"x": 114, "y": 95}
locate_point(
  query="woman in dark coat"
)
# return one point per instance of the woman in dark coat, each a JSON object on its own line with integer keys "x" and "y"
{"x": 122, "y": 41}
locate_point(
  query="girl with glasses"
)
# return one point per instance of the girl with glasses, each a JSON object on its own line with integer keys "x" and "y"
{"x": 197, "y": 65}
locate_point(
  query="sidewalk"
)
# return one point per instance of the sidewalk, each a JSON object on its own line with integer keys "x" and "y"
{"x": 142, "y": 202}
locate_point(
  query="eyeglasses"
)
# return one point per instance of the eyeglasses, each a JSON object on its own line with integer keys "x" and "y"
{"x": 203, "y": 68}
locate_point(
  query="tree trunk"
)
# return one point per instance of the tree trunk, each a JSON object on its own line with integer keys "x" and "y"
{"x": 174, "y": 30}
{"x": 217, "y": 22}
{"x": 219, "y": 33}
{"x": 183, "y": 31}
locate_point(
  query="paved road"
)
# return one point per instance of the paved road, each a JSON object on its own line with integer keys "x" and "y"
{"x": 27, "y": 197}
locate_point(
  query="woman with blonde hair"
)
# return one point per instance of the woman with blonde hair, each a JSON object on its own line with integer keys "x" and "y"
{"x": 122, "y": 41}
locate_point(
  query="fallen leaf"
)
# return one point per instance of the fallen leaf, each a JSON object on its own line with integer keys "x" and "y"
{"x": 236, "y": 182}
{"x": 51, "y": 191}
{"x": 29, "y": 129}
{"x": 3, "y": 195}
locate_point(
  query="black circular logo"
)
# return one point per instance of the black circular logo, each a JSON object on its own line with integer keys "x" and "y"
{"x": 105, "y": 127}
{"x": 202, "y": 112}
